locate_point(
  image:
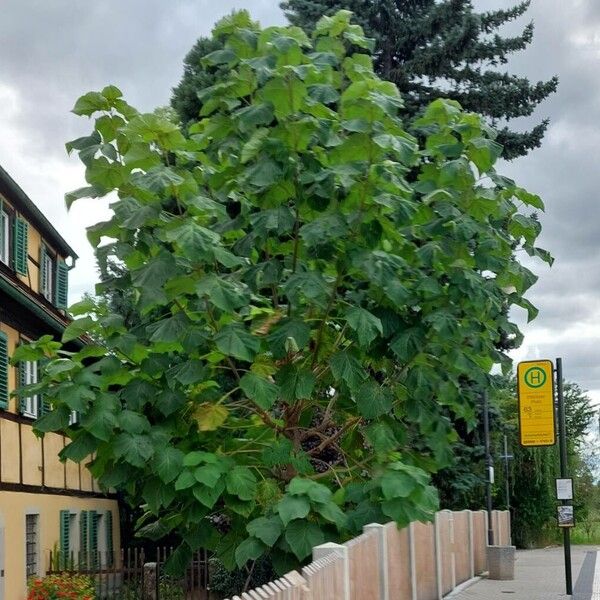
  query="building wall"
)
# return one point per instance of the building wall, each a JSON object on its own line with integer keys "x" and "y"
{"x": 14, "y": 506}
{"x": 34, "y": 247}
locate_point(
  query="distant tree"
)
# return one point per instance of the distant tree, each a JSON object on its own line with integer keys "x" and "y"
{"x": 432, "y": 48}
{"x": 533, "y": 470}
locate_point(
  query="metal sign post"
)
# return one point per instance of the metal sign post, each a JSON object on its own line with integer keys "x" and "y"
{"x": 488, "y": 467}
{"x": 562, "y": 440}
{"x": 537, "y": 427}
{"x": 506, "y": 457}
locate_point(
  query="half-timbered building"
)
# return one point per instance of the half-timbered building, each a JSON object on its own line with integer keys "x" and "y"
{"x": 45, "y": 504}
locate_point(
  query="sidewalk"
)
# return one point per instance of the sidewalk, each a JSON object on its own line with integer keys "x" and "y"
{"x": 540, "y": 575}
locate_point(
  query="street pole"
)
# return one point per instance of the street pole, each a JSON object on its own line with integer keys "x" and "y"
{"x": 506, "y": 458}
{"x": 562, "y": 440}
{"x": 488, "y": 467}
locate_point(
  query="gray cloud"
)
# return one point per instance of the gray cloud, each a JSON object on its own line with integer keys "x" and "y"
{"x": 52, "y": 52}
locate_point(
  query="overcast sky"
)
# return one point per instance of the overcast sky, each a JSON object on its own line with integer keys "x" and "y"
{"x": 52, "y": 52}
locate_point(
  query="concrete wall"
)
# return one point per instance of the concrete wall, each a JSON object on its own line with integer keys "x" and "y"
{"x": 13, "y": 508}
{"x": 424, "y": 561}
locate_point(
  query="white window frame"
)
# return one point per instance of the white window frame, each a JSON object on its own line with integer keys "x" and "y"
{"x": 31, "y": 404}
{"x": 73, "y": 417}
{"x": 101, "y": 533}
{"x": 49, "y": 269}
{"x": 5, "y": 237}
{"x": 36, "y": 542}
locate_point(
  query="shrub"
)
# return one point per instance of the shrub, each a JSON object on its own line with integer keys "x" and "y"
{"x": 53, "y": 587}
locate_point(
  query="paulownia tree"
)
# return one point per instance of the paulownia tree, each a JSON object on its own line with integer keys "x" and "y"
{"x": 312, "y": 288}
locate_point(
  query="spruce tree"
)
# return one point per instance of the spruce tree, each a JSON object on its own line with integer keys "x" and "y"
{"x": 432, "y": 49}
{"x": 196, "y": 77}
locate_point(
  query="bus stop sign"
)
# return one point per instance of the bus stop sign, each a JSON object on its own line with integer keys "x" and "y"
{"x": 535, "y": 389}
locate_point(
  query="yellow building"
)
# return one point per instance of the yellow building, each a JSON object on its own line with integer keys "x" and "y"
{"x": 44, "y": 504}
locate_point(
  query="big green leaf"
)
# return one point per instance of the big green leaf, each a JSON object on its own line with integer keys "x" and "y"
{"x": 373, "y": 400}
{"x": 259, "y": 389}
{"x": 266, "y": 529}
{"x": 234, "y": 340}
{"x": 168, "y": 464}
{"x": 241, "y": 482}
{"x": 348, "y": 368}
{"x": 295, "y": 383}
{"x": 303, "y": 536}
{"x": 365, "y": 324}
{"x": 292, "y": 507}
{"x": 249, "y": 549}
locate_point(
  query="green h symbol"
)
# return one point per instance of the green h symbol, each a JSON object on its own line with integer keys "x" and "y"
{"x": 535, "y": 377}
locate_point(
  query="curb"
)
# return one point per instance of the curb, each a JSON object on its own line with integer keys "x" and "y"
{"x": 463, "y": 586}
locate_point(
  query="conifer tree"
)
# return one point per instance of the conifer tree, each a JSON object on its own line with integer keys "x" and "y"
{"x": 430, "y": 49}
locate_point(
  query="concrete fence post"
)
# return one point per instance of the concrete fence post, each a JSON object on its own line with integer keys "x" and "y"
{"x": 339, "y": 550}
{"x": 453, "y": 554}
{"x": 471, "y": 545}
{"x": 438, "y": 556}
{"x": 150, "y": 575}
{"x": 381, "y": 532}
{"x": 412, "y": 561}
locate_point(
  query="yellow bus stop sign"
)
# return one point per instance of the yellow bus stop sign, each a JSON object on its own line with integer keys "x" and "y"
{"x": 535, "y": 389}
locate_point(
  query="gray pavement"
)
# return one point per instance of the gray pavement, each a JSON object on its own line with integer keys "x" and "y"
{"x": 540, "y": 575}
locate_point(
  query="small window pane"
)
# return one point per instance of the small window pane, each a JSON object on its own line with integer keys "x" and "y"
{"x": 48, "y": 282}
{"x": 31, "y": 403}
{"x": 4, "y": 238}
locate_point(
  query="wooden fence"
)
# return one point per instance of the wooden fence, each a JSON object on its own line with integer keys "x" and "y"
{"x": 135, "y": 573}
{"x": 424, "y": 561}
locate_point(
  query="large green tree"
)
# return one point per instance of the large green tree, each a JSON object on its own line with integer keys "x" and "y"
{"x": 444, "y": 48}
{"x": 311, "y": 287}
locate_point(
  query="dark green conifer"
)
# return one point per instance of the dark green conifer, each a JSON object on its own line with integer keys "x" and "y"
{"x": 431, "y": 48}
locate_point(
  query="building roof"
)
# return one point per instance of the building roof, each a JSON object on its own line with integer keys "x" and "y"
{"x": 10, "y": 189}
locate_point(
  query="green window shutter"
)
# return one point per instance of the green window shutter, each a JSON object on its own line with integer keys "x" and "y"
{"x": 83, "y": 535}
{"x": 93, "y": 522}
{"x": 65, "y": 542}
{"x": 43, "y": 273}
{"x": 45, "y": 404}
{"x": 109, "y": 536}
{"x": 3, "y": 370}
{"x": 20, "y": 246}
{"x": 62, "y": 284}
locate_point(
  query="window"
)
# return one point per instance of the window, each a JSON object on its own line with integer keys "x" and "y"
{"x": 28, "y": 374}
{"x": 4, "y": 236}
{"x": 47, "y": 275}
{"x": 73, "y": 417}
{"x": 31, "y": 544}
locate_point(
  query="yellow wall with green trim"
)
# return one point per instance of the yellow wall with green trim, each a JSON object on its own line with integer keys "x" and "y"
{"x": 13, "y": 508}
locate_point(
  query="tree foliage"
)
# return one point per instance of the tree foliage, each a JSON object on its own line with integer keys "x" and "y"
{"x": 311, "y": 286}
{"x": 432, "y": 48}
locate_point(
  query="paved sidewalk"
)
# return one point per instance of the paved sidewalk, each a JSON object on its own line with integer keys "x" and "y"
{"x": 540, "y": 575}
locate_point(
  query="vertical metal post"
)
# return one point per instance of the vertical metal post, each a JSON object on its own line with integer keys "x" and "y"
{"x": 506, "y": 473}
{"x": 488, "y": 467}
{"x": 562, "y": 441}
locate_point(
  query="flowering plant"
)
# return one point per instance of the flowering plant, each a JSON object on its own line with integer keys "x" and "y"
{"x": 61, "y": 586}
